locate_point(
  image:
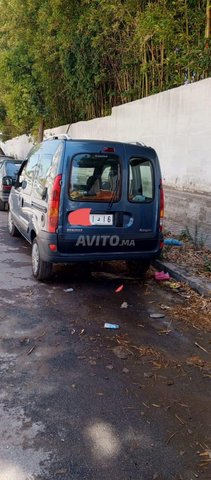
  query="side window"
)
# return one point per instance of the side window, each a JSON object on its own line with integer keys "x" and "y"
{"x": 42, "y": 176}
{"x": 140, "y": 180}
{"x": 106, "y": 178}
{"x": 47, "y": 172}
{"x": 28, "y": 173}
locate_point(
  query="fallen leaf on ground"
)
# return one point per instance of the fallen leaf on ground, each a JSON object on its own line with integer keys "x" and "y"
{"x": 164, "y": 307}
{"x": 172, "y": 436}
{"x": 195, "y": 360}
{"x": 199, "y": 346}
{"x": 92, "y": 362}
{"x": 31, "y": 350}
{"x": 40, "y": 336}
{"x": 125, "y": 370}
{"x": 124, "y": 305}
{"x": 207, "y": 453}
{"x": 121, "y": 352}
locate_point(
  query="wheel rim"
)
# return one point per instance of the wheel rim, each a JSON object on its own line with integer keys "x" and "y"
{"x": 35, "y": 258}
{"x": 10, "y": 224}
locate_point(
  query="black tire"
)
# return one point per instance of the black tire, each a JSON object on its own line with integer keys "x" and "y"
{"x": 139, "y": 267}
{"x": 13, "y": 231}
{"x": 2, "y": 205}
{"x": 40, "y": 269}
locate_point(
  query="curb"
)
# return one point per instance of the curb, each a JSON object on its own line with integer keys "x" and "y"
{"x": 201, "y": 286}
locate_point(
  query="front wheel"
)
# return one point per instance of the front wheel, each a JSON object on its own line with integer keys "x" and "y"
{"x": 139, "y": 267}
{"x": 13, "y": 231}
{"x": 40, "y": 269}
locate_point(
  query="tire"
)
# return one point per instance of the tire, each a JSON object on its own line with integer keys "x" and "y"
{"x": 2, "y": 205}
{"x": 40, "y": 269}
{"x": 139, "y": 267}
{"x": 13, "y": 231}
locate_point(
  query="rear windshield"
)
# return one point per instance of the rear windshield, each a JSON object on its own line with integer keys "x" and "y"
{"x": 141, "y": 180}
{"x": 95, "y": 178}
{"x": 12, "y": 168}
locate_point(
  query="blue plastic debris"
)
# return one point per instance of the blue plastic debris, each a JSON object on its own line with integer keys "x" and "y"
{"x": 173, "y": 242}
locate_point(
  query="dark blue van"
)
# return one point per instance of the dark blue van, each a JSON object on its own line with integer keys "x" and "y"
{"x": 87, "y": 200}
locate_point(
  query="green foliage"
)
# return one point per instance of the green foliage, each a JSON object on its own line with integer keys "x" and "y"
{"x": 207, "y": 264}
{"x": 69, "y": 60}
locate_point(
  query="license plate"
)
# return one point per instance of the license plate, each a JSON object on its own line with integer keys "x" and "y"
{"x": 101, "y": 219}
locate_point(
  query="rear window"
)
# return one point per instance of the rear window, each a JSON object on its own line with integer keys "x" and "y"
{"x": 141, "y": 180}
{"x": 12, "y": 168}
{"x": 95, "y": 178}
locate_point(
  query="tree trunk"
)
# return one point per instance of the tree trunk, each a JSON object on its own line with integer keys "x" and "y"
{"x": 41, "y": 130}
{"x": 208, "y": 20}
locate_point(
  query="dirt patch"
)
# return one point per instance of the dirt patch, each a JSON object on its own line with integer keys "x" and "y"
{"x": 192, "y": 308}
{"x": 149, "y": 354}
{"x": 192, "y": 255}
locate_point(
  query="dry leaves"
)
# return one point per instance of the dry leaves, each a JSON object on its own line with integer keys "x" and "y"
{"x": 126, "y": 348}
{"x": 189, "y": 258}
{"x": 196, "y": 309}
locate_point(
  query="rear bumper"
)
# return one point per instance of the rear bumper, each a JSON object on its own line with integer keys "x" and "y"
{"x": 90, "y": 256}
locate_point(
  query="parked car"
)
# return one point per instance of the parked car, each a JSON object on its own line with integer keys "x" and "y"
{"x": 8, "y": 170}
{"x": 86, "y": 200}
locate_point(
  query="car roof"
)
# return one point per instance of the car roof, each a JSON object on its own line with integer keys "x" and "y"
{"x": 4, "y": 158}
{"x": 64, "y": 136}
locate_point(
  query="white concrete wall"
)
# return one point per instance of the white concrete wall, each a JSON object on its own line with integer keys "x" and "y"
{"x": 177, "y": 123}
{"x": 18, "y": 146}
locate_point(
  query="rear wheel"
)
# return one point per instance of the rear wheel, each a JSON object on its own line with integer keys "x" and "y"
{"x": 40, "y": 269}
{"x": 13, "y": 231}
{"x": 2, "y": 205}
{"x": 139, "y": 267}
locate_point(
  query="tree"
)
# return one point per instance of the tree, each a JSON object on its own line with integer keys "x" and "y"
{"x": 67, "y": 60}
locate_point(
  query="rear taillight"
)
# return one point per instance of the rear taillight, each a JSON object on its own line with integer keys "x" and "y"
{"x": 161, "y": 206}
{"x": 53, "y": 207}
{"x": 6, "y": 188}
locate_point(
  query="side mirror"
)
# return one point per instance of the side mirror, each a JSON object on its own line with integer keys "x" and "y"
{"x": 23, "y": 184}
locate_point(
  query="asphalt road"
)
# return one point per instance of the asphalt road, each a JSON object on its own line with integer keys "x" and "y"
{"x": 70, "y": 408}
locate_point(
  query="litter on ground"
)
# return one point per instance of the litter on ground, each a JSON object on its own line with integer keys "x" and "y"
{"x": 173, "y": 242}
{"x": 112, "y": 326}
{"x": 124, "y": 305}
{"x": 160, "y": 276}
{"x": 119, "y": 289}
{"x": 157, "y": 315}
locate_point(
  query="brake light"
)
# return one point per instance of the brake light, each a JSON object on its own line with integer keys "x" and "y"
{"x": 161, "y": 206}
{"x": 109, "y": 149}
{"x": 6, "y": 188}
{"x": 54, "y": 202}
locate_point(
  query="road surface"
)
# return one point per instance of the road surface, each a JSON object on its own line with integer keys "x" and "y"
{"x": 78, "y": 401}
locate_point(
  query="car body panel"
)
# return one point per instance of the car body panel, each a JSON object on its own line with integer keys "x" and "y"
{"x": 135, "y": 232}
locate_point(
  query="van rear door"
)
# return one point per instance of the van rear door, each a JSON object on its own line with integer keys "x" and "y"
{"x": 143, "y": 196}
{"x": 109, "y": 199}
